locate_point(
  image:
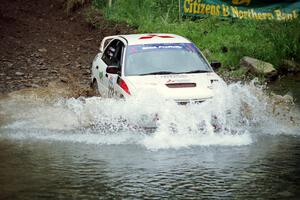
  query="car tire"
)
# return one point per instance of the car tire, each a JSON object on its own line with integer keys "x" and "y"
{"x": 94, "y": 88}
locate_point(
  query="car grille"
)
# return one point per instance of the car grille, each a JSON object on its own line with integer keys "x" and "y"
{"x": 180, "y": 85}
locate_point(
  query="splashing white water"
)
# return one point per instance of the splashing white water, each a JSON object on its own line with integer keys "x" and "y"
{"x": 232, "y": 117}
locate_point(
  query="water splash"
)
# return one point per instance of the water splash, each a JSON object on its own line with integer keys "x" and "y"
{"x": 235, "y": 114}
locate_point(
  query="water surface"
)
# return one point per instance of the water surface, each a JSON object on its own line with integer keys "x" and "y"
{"x": 243, "y": 144}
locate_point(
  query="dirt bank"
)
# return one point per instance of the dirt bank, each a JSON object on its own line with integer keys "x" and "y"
{"x": 40, "y": 43}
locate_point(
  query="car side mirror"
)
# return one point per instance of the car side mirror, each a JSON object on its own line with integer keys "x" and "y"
{"x": 113, "y": 70}
{"x": 215, "y": 64}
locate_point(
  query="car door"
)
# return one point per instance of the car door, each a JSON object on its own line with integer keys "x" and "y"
{"x": 102, "y": 60}
{"x": 116, "y": 60}
{"x": 110, "y": 57}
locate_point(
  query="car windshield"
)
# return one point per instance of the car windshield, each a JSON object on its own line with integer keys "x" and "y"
{"x": 164, "y": 59}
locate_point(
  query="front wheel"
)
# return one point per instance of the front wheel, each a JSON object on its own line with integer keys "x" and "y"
{"x": 94, "y": 88}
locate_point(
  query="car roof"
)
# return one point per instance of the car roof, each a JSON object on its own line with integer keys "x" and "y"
{"x": 153, "y": 38}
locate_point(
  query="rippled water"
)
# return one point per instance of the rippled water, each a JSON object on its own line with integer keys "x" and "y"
{"x": 242, "y": 144}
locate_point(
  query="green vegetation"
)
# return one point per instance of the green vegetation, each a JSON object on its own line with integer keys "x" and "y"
{"x": 227, "y": 40}
{"x": 93, "y": 17}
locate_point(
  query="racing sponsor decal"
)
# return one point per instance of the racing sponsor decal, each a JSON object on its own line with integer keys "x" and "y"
{"x": 173, "y": 76}
{"x": 100, "y": 75}
{"x": 178, "y": 81}
{"x": 133, "y": 49}
{"x": 170, "y": 81}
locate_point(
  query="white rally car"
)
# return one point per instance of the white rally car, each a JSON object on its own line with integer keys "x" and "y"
{"x": 170, "y": 64}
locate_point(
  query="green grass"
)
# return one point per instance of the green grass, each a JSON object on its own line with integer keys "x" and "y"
{"x": 227, "y": 40}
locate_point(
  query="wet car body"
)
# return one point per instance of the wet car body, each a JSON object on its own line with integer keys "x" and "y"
{"x": 168, "y": 65}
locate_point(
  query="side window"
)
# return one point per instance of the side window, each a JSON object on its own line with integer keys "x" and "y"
{"x": 113, "y": 53}
{"x": 109, "y": 52}
{"x": 118, "y": 55}
{"x": 107, "y": 42}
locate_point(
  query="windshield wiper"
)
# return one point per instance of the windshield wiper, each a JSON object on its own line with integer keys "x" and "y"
{"x": 159, "y": 73}
{"x": 196, "y": 71}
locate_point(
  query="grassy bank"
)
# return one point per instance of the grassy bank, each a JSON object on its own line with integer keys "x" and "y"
{"x": 227, "y": 40}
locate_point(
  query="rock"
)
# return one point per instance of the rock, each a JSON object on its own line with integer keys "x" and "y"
{"x": 88, "y": 39}
{"x": 36, "y": 55}
{"x": 9, "y": 64}
{"x": 87, "y": 72}
{"x": 288, "y": 99}
{"x": 63, "y": 79}
{"x": 258, "y": 67}
{"x": 66, "y": 64}
{"x": 285, "y": 194}
{"x": 2, "y": 74}
{"x": 290, "y": 66}
{"x": 42, "y": 50}
{"x": 43, "y": 68}
{"x": 84, "y": 67}
{"x": 27, "y": 85}
{"x": 54, "y": 72}
{"x": 19, "y": 73}
{"x": 40, "y": 61}
{"x": 36, "y": 80}
{"x": 8, "y": 78}
{"x": 77, "y": 64}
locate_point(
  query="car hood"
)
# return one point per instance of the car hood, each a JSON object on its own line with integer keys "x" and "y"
{"x": 179, "y": 87}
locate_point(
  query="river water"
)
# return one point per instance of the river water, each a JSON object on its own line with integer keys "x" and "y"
{"x": 242, "y": 144}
